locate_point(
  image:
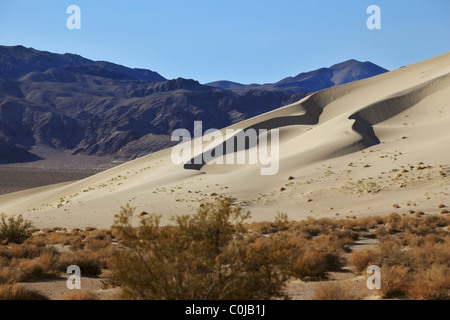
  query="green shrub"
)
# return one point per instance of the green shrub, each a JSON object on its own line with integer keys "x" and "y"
{"x": 15, "y": 230}
{"x": 204, "y": 256}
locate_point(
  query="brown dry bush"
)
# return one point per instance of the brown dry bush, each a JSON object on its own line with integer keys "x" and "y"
{"x": 362, "y": 259}
{"x": 309, "y": 260}
{"x": 337, "y": 291}
{"x": 48, "y": 259}
{"x": 23, "y": 251}
{"x": 24, "y": 270}
{"x": 381, "y": 232}
{"x": 102, "y": 234}
{"x": 415, "y": 263}
{"x": 395, "y": 281}
{"x": 4, "y": 275}
{"x": 313, "y": 265}
{"x": 281, "y": 223}
{"x": 89, "y": 262}
{"x": 337, "y": 240}
{"x": 62, "y": 238}
{"x": 18, "y": 292}
{"x": 77, "y": 244}
{"x": 42, "y": 267}
{"x": 431, "y": 284}
{"x": 97, "y": 244}
{"x": 204, "y": 256}
{"x": 81, "y": 295}
{"x": 367, "y": 223}
{"x": 38, "y": 240}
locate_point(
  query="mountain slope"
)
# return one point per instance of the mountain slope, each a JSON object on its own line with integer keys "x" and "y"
{"x": 355, "y": 149}
{"x": 97, "y": 108}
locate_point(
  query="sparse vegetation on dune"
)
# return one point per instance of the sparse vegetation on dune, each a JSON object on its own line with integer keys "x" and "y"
{"x": 209, "y": 255}
{"x": 217, "y": 254}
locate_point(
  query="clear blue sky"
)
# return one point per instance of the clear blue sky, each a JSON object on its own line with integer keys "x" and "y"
{"x": 239, "y": 40}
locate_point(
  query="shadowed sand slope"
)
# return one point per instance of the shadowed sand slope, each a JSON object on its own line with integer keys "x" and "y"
{"x": 355, "y": 149}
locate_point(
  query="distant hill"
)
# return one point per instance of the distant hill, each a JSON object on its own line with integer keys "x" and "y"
{"x": 231, "y": 85}
{"x": 98, "y": 108}
{"x": 341, "y": 73}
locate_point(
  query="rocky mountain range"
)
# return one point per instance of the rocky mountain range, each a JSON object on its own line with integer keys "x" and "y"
{"x": 67, "y": 102}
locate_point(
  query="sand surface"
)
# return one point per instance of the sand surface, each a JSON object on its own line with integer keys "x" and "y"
{"x": 356, "y": 149}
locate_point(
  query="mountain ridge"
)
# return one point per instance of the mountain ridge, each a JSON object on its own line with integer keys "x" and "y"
{"x": 98, "y": 108}
{"x": 322, "y": 78}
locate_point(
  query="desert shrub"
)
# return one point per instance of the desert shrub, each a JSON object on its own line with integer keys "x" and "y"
{"x": 434, "y": 238}
{"x": 15, "y": 229}
{"x": 305, "y": 259}
{"x": 203, "y": 256}
{"x": 370, "y": 222}
{"x": 313, "y": 264}
{"x": 81, "y": 295}
{"x": 24, "y": 270}
{"x": 62, "y": 238}
{"x": 23, "y": 251}
{"x": 77, "y": 244}
{"x": 431, "y": 284}
{"x": 415, "y": 263}
{"x": 381, "y": 232}
{"x": 38, "y": 240}
{"x": 42, "y": 267}
{"x": 337, "y": 291}
{"x": 18, "y": 292}
{"x": 97, "y": 244}
{"x": 311, "y": 230}
{"x": 281, "y": 222}
{"x": 362, "y": 259}
{"x": 393, "y": 217}
{"x": 101, "y": 234}
{"x": 395, "y": 281}
{"x": 48, "y": 259}
{"x": 4, "y": 275}
{"x": 89, "y": 262}
{"x": 336, "y": 240}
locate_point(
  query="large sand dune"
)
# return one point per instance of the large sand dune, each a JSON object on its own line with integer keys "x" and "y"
{"x": 355, "y": 149}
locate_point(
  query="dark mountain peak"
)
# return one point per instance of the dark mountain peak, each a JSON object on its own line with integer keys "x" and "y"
{"x": 353, "y": 70}
{"x": 346, "y": 63}
{"x": 17, "y": 61}
{"x": 322, "y": 78}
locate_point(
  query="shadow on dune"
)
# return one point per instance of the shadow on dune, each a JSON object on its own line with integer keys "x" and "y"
{"x": 383, "y": 110}
{"x": 312, "y": 108}
{"x": 313, "y": 105}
